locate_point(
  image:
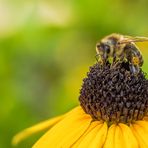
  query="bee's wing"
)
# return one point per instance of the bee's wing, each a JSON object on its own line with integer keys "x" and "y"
{"x": 129, "y": 39}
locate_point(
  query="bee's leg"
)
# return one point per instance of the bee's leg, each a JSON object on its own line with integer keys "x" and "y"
{"x": 104, "y": 58}
{"x": 117, "y": 60}
{"x": 97, "y": 57}
{"x": 113, "y": 60}
{"x": 116, "y": 64}
{"x": 135, "y": 64}
{"x": 105, "y": 61}
{"x": 122, "y": 58}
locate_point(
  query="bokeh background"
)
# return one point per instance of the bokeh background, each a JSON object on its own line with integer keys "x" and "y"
{"x": 46, "y": 47}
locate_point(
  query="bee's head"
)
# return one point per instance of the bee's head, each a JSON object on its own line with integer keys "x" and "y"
{"x": 107, "y": 45}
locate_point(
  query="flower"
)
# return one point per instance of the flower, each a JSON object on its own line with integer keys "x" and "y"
{"x": 112, "y": 113}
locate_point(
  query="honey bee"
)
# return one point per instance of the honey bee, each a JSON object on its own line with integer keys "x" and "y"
{"x": 120, "y": 48}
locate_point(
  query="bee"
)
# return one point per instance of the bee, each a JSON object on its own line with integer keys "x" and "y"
{"x": 121, "y": 48}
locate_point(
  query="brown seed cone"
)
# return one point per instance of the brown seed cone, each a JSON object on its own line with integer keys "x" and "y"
{"x": 114, "y": 94}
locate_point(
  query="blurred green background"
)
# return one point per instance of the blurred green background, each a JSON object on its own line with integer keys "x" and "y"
{"x": 46, "y": 47}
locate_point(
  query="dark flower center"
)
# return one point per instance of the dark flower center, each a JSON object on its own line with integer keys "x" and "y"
{"x": 114, "y": 94}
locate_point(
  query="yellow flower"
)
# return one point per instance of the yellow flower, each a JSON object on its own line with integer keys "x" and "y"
{"x": 77, "y": 129}
{"x": 108, "y": 117}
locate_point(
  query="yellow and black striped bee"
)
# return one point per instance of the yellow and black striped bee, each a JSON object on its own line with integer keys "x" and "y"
{"x": 119, "y": 48}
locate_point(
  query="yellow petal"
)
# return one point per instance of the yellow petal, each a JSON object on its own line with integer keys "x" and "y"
{"x": 77, "y": 121}
{"x": 100, "y": 138}
{"x": 118, "y": 139}
{"x": 89, "y": 135}
{"x": 34, "y": 129}
{"x": 94, "y": 137}
{"x": 74, "y": 134}
{"x": 109, "y": 143}
{"x": 128, "y": 135}
{"x": 119, "y": 136}
{"x": 92, "y": 126}
{"x": 140, "y": 130}
{"x": 114, "y": 138}
{"x": 39, "y": 127}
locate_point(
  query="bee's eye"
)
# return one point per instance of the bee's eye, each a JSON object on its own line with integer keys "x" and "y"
{"x": 106, "y": 48}
{"x": 98, "y": 45}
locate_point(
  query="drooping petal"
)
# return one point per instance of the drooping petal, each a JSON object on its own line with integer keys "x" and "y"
{"x": 129, "y": 139}
{"x": 67, "y": 131}
{"x": 39, "y": 127}
{"x": 34, "y": 129}
{"x": 140, "y": 130}
{"x": 94, "y": 136}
